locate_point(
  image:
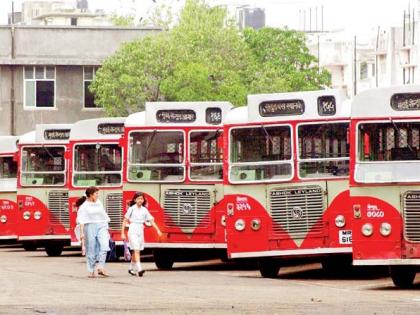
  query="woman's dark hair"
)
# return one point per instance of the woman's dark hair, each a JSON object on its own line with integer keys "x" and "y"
{"x": 89, "y": 192}
{"x": 136, "y": 195}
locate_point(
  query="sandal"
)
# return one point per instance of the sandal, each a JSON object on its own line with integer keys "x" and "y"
{"x": 91, "y": 275}
{"x": 141, "y": 272}
{"x": 102, "y": 273}
{"x": 132, "y": 272}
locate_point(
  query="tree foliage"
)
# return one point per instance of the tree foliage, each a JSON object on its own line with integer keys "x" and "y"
{"x": 205, "y": 57}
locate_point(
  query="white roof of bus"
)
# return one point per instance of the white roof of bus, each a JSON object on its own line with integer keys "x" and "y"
{"x": 377, "y": 102}
{"x": 8, "y": 144}
{"x": 148, "y": 117}
{"x": 88, "y": 129}
{"x": 37, "y": 136}
{"x": 310, "y": 99}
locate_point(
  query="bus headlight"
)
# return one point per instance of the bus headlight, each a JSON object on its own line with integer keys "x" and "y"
{"x": 240, "y": 225}
{"x": 3, "y": 219}
{"x": 367, "y": 229}
{"x": 256, "y": 224}
{"x": 340, "y": 221}
{"x": 26, "y": 215}
{"x": 223, "y": 220}
{"x": 385, "y": 229}
{"x": 37, "y": 215}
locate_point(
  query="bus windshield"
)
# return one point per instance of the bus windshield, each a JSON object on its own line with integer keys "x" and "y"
{"x": 323, "y": 150}
{"x": 206, "y": 155}
{"x": 388, "y": 152}
{"x": 97, "y": 165}
{"x": 8, "y": 167}
{"x": 261, "y": 153}
{"x": 156, "y": 156}
{"x": 43, "y": 166}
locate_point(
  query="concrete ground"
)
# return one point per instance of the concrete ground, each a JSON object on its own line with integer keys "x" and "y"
{"x": 32, "y": 283}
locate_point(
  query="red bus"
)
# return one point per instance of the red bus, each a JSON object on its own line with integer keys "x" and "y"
{"x": 96, "y": 160}
{"x": 385, "y": 180}
{"x": 174, "y": 155}
{"x": 286, "y": 189}
{"x": 8, "y": 173}
{"x": 42, "y": 191}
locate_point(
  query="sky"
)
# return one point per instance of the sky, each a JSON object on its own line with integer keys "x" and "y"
{"x": 355, "y": 16}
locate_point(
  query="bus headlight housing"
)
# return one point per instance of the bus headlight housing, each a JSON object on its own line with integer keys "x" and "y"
{"x": 367, "y": 229}
{"x": 340, "y": 221}
{"x": 37, "y": 215}
{"x": 256, "y": 224}
{"x": 26, "y": 215}
{"x": 385, "y": 229}
{"x": 240, "y": 225}
{"x": 3, "y": 219}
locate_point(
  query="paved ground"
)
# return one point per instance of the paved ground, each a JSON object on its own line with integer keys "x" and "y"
{"x": 32, "y": 283}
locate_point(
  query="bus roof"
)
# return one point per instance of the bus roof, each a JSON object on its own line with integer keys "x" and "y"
{"x": 307, "y": 105}
{"x": 106, "y": 128}
{"x": 47, "y": 134}
{"x": 394, "y": 101}
{"x": 180, "y": 114}
{"x": 8, "y": 144}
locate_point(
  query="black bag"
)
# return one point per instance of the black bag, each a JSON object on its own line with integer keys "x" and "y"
{"x": 112, "y": 254}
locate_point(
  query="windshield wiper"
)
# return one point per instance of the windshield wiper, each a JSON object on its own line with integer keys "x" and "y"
{"x": 148, "y": 145}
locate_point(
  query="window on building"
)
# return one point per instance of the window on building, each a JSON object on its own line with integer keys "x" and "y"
{"x": 73, "y": 21}
{"x": 363, "y": 71}
{"x": 39, "y": 87}
{"x": 88, "y": 76}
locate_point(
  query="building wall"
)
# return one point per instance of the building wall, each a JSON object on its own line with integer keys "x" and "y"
{"x": 68, "y": 50}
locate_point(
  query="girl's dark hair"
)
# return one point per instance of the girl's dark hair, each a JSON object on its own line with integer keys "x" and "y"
{"x": 89, "y": 191}
{"x": 136, "y": 195}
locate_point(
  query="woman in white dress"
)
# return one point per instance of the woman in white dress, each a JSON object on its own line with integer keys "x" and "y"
{"x": 93, "y": 221}
{"x": 136, "y": 216}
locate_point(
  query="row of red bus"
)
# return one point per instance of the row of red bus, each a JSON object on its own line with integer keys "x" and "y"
{"x": 302, "y": 174}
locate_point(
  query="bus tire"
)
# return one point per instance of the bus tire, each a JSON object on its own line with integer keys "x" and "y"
{"x": 54, "y": 250}
{"x": 402, "y": 276}
{"x": 163, "y": 260}
{"x": 29, "y": 247}
{"x": 269, "y": 268}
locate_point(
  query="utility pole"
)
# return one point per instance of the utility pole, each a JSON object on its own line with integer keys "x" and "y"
{"x": 12, "y": 73}
{"x": 355, "y": 68}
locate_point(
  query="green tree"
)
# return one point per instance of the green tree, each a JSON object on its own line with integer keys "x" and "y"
{"x": 123, "y": 21}
{"x": 282, "y": 62}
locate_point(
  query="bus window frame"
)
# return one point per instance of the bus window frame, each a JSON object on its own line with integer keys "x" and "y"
{"x": 183, "y": 164}
{"x": 52, "y": 145}
{"x": 299, "y": 160}
{"x": 290, "y": 161}
{"x": 74, "y": 172}
{"x": 357, "y": 160}
{"x": 190, "y": 164}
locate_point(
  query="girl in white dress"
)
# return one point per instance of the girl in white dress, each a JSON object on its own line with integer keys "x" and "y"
{"x": 136, "y": 216}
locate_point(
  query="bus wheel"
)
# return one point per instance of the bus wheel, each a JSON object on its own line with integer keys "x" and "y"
{"x": 163, "y": 260}
{"x": 29, "y": 247}
{"x": 54, "y": 250}
{"x": 269, "y": 268}
{"x": 402, "y": 276}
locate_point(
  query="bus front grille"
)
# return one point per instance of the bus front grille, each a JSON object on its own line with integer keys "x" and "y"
{"x": 58, "y": 203}
{"x": 411, "y": 208}
{"x": 296, "y": 211}
{"x": 113, "y": 206}
{"x": 187, "y": 208}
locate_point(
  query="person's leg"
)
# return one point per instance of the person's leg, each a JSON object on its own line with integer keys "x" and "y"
{"x": 90, "y": 244}
{"x": 137, "y": 260}
{"x": 103, "y": 245}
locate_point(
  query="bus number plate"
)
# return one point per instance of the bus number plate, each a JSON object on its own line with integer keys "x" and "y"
{"x": 344, "y": 237}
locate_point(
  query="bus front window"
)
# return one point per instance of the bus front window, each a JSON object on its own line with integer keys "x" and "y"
{"x": 8, "y": 167}
{"x": 97, "y": 165}
{"x": 261, "y": 153}
{"x": 156, "y": 156}
{"x": 43, "y": 166}
{"x": 323, "y": 150}
{"x": 206, "y": 155}
{"x": 388, "y": 152}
